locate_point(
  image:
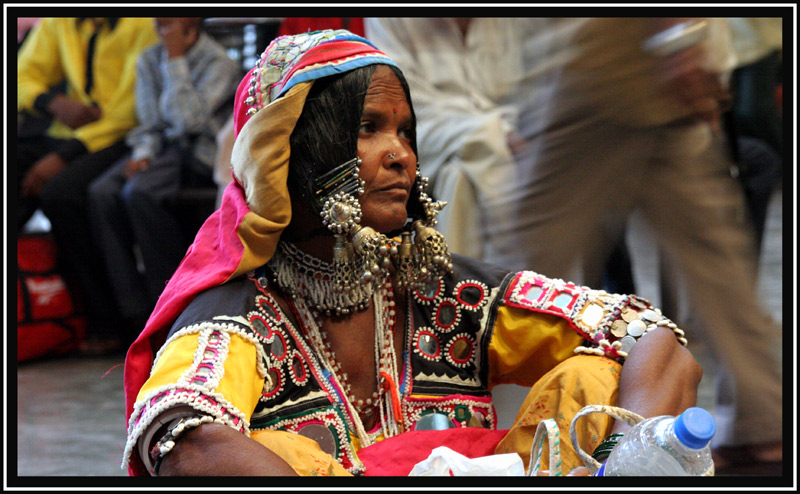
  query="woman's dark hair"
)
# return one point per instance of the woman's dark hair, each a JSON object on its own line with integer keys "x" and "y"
{"x": 326, "y": 134}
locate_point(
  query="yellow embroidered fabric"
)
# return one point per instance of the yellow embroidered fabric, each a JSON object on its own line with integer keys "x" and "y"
{"x": 526, "y": 349}
{"x": 525, "y": 346}
{"x": 240, "y": 383}
{"x": 301, "y": 453}
{"x": 561, "y": 394}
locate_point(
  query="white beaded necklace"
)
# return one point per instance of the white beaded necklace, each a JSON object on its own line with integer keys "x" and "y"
{"x": 386, "y": 367}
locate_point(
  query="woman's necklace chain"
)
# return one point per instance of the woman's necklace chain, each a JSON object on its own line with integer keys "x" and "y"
{"x": 306, "y": 280}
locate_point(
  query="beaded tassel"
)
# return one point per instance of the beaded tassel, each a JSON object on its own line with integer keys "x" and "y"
{"x": 406, "y": 264}
{"x": 372, "y": 248}
{"x": 433, "y": 256}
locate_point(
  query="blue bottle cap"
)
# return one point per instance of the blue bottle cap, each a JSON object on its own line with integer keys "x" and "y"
{"x": 695, "y": 427}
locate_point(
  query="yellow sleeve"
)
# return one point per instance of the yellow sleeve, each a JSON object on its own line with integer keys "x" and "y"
{"x": 39, "y": 64}
{"x": 525, "y": 345}
{"x": 215, "y": 368}
{"x": 544, "y": 321}
{"x": 238, "y": 382}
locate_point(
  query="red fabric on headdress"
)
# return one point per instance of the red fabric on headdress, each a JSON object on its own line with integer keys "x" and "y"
{"x": 344, "y": 50}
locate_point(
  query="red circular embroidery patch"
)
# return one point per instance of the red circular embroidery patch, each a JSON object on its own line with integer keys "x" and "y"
{"x": 470, "y": 294}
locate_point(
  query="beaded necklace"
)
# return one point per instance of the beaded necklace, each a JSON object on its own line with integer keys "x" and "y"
{"x": 301, "y": 274}
{"x": 387, "y": 398}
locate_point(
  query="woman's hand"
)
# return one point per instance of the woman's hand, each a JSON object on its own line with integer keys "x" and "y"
{"x": 659, "y": 377}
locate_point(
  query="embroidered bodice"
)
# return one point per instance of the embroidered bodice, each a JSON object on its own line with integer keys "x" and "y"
{"x": 236, "y": 336}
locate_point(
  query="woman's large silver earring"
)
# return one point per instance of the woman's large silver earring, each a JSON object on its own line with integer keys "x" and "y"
{"x": 341, "y": 213}
{"x": 433, "y": 257}
{"x": 431, "y": 207}
{"x": 406, "y": 269}
{"x": 374, "y": 250}
{"x": 344, "y": 265}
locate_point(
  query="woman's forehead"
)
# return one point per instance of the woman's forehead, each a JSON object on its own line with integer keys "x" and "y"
{"x": 384, "y": 86}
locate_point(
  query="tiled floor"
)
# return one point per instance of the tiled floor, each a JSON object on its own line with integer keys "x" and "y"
{"x": 70, "y": 411}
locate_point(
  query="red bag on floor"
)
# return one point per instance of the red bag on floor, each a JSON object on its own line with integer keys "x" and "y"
{"x": 48, "y": 319}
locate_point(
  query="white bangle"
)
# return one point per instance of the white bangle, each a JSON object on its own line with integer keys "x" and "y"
{"x": 168, "y": 418}
{"x": 167, "y": 442}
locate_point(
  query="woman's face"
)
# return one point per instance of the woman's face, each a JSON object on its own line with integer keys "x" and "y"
{"x": 388, "y": 162}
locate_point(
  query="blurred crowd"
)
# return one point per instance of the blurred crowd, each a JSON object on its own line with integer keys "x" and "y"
{"x": 543, "y": 135}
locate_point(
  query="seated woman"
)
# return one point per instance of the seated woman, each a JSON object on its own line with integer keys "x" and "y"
{"x": 318, "y": 312}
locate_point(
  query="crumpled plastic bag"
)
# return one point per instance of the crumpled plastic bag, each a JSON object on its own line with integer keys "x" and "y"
{"x": 443, "y": 461}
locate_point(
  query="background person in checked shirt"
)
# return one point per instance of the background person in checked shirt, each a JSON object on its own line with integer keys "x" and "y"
{"x": 184, "y": 87}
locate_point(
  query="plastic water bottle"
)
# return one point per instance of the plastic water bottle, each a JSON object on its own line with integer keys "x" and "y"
{"x": 664, "y": 446}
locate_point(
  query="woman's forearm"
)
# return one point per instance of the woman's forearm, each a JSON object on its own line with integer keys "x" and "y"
{"x": 659, "y": 377}
{"x": 215, "y": 449}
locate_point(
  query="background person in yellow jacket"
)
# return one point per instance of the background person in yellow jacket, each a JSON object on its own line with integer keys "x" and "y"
{"x": 95, "y": 59}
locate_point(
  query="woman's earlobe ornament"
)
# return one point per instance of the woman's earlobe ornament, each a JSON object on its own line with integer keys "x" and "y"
{"x": 344, "y": 265}
{"x": 432, "y": 253}
{"x": 431, "y": 207}
{"x": 341, "y": 213}
{"x": 406, "y": 272}
{"x": 433, "y": 257}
